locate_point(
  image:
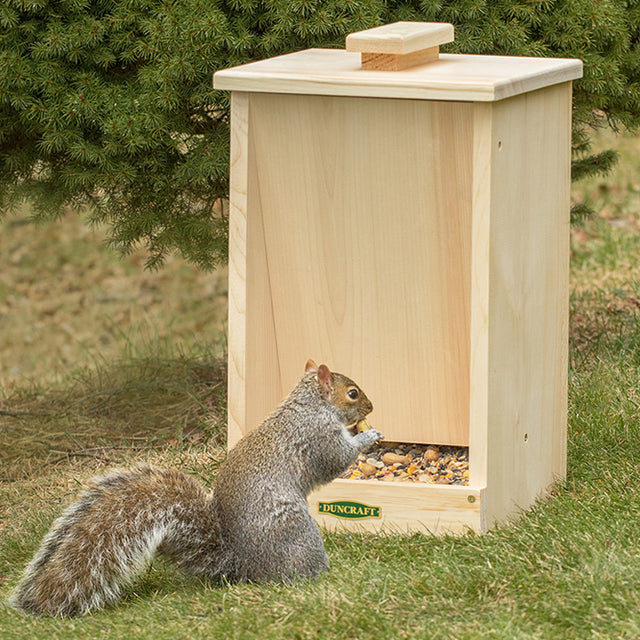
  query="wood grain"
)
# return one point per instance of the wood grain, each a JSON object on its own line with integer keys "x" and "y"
{"x": 403, "y": 506}
{"x": 451, "y": 77}
{"x": 359, "y": 245}
{"x": 400, "y": 38}
{"x": 396, "y": 62}
{"x": 519, "y": 403}
{"x": 236, "y": 361}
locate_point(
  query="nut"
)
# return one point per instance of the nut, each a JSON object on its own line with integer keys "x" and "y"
{"x": 394, "y": 458}
{"x": 432, "y": 453}
{"x": 367, "y": 469}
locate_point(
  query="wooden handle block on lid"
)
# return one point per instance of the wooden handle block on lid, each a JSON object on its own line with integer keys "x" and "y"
{"x": 400, "y": 45}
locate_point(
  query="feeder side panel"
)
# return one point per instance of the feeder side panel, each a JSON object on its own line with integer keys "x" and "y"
{"x": 236, "y": 365}
{"x": 528, "y": 298}
{"x": 254, "y": 382}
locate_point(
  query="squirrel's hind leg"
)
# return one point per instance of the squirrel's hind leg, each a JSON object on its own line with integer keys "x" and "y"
{"x": 291, "y": 551}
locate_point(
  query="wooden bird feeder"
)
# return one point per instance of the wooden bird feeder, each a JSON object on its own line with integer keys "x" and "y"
{"x": 403, "y": 216}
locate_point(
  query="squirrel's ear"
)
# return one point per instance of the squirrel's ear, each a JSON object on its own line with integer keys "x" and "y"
{"x": 324, "y": 378}
{"x": 310, "y": 366}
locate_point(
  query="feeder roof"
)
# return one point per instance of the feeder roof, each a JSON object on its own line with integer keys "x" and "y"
{"x": 451, "y": 77}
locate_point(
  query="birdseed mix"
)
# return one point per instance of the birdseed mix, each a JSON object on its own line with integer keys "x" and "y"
{"x": 394, "y": 462}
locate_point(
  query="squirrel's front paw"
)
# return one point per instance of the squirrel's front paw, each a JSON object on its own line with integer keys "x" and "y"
{"x": 369, "y": 437}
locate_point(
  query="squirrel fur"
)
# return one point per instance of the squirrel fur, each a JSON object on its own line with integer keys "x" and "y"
{"x": 254, "y": 526}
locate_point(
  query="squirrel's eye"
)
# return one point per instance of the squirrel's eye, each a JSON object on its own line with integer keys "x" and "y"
{"x": 353, "y": 394}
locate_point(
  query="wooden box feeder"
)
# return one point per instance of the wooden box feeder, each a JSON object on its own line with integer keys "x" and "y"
{"x": 403, "y": 216}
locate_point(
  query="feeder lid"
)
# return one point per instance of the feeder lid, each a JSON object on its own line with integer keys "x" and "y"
{"x": 399, "y": 60}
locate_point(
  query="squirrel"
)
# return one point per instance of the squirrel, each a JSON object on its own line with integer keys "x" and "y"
{"x": 254, "y": 526}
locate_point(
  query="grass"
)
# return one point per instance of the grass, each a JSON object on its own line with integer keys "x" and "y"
{"x": 67, "y": 302}
{"x": 567, "y": 568}
{"x": 134, "y": 404}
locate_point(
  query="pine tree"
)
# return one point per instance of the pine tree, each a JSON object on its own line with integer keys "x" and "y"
{"x": 109, "y": 103}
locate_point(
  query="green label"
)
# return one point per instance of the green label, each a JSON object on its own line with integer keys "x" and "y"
{"x": 348, "y": 509}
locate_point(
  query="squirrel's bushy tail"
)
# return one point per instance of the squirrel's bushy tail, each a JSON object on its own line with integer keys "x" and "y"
{"x": 109, "y": 535}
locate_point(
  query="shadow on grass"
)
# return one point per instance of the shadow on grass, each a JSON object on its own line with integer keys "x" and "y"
{"x": 133, "y": 404}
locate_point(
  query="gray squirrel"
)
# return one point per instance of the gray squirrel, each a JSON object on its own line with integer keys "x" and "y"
{"x": 254, "y": 526}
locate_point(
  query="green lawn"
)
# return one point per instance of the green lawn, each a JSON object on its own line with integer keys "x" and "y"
{"x": 568, "y": 568}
